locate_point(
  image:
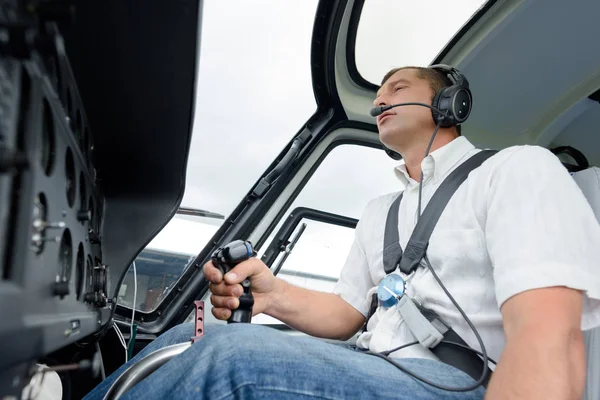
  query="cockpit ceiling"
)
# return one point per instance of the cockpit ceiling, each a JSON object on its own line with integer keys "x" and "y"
{"x": 531, "y": 65}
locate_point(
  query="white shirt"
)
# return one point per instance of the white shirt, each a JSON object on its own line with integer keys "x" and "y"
{"x": 518, "y": 222}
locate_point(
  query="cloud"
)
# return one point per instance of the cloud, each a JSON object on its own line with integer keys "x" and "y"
{"x": 348, "y": 178}
{"x": 254, "y": 93}
{"x": 397, "y": 33}
{"x": 254, "y": 88}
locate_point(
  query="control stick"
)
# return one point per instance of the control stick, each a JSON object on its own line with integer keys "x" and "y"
{"x": 225, "y": 259}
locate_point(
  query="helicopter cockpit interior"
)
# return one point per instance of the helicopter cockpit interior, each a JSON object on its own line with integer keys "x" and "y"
{"x": 97, "y": 108}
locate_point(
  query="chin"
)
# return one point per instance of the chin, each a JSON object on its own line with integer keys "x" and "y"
{"x": 385, "y": 134}
{"x": 390, "y": 138}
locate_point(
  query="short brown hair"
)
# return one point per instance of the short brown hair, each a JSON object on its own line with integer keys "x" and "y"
{"x": 436, "y": 79}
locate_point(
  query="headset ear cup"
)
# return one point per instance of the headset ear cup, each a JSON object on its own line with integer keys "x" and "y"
{"x": 461, "y": 105}
{"x": 440, "y": 102}
{"x": 455, "y": 101}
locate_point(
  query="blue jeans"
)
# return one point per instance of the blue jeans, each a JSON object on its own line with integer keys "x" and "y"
{"x": 249, "y": 361}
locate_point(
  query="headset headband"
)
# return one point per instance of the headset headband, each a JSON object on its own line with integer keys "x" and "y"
{"x": 455, "y": 76}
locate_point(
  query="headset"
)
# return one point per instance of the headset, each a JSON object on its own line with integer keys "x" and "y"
{"x": 453, "y": 102}
{"x": 451, "y": 105}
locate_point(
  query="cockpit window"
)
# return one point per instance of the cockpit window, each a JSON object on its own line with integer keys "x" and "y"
{"x": 394, "y": 33}
{"x": 254, "y": 93}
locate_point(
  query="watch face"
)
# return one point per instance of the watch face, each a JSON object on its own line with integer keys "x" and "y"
{"x": 390, "y": 289}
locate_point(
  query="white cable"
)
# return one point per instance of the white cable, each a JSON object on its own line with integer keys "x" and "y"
{"x": 134, "y": 296}
{"x": 102, "y": 371}
{"x": 121, "y": 339}
{"x": 117, "y": 330}
{"x": 133, "y": 305}
{"x": 119, "y": 334}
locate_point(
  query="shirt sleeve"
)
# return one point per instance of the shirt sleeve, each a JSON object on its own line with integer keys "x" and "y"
{"x": 541, "y": 231}
{"x": 355, "y": 280}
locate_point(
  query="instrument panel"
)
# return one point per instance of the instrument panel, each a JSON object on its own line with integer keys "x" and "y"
{"x": 53, "y": 286}
{"x": 97, "y": 101}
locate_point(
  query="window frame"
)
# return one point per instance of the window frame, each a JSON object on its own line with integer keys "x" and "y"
{"x": 355, "y": 15}
{"x": 291, "y": 223}
{"x": 337, "y": 136}
{"x": 288, "y": 228}
{"x": 177, "y": 305}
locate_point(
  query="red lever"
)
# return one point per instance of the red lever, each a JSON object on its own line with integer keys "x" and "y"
{"x": 199, "y": 332}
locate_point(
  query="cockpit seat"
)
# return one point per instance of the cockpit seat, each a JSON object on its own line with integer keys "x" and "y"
{"x": 588, "y": 181}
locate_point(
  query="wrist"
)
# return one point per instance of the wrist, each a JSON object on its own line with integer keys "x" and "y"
{"x": 276, "y": 298}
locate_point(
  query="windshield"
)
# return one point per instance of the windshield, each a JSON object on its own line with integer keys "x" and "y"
{"x": 163, "y": 261}
{"x": 254, "y": 93}
{"x": 395, "y": 33}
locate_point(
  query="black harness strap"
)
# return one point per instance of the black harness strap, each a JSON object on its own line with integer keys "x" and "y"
{"x": 409, "y": 260}
{"x": 458, "y": 357}
{"x": 392, "y": 251}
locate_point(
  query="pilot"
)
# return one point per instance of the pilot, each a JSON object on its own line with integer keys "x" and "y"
{"x": 517, "y": 247}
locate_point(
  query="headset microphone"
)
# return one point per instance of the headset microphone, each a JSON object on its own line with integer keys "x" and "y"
{"x": 379, "y": 110}
{"x": 376, "y": 111}
{"x": 450, "y": 106}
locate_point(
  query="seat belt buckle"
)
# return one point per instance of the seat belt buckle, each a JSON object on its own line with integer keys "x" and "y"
{"x": 390, "y": 290}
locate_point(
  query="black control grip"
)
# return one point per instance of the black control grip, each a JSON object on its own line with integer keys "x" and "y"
{"x": 225, "y": 259}
{"x": 244, "y": 312}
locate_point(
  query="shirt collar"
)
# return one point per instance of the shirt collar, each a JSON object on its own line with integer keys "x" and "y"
{"x": 438, "y": 162}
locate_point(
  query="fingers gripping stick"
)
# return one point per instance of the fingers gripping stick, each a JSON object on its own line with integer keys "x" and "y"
{"x": 225, "y": 259}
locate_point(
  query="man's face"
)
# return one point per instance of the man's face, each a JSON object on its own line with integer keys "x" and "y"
{"x": 401, "y": 125}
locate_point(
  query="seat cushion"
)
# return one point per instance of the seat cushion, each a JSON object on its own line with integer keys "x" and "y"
{"x": 588, "y": 181}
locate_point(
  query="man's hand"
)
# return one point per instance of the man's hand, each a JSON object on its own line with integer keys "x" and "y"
{"x": 315, "y": 313}
{"x": 544, "y": 357}
{"x": 226, "y": 292}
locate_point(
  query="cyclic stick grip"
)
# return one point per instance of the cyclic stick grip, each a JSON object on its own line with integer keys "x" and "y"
{"x": 225, "y": 259}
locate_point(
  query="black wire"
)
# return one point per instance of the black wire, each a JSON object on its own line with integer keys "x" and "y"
{"x": 426, "y": 154}
{"x": 484, "y": 373}
{"x": 403, "y": 369}
{"x": 388, "y": 352}
{"x": 484, "y": 352}
{"x": 437, "y": 110}
{"x": 384, "y": 355}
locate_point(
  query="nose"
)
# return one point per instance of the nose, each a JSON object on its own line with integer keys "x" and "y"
{"x": 380, "y": 100}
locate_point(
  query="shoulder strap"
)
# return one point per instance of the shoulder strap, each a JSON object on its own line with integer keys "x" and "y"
{"x": 392, "y": 251}
{"x": 419, "y": 240}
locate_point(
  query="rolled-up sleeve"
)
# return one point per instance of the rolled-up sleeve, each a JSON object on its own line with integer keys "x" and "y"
{"x": 355, "y": 279}
{"x": 541, "y": 231}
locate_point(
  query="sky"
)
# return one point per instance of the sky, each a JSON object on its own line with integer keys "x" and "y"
{"x": 254, "y": 93}
{"x": 394, "y": 33}
{"x": 254, "y": 87}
